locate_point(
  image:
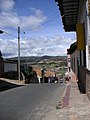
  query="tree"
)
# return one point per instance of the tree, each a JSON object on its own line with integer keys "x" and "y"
{"x": 30, "y": 75}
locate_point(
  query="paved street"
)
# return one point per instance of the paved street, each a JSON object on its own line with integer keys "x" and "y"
{"x": 30, "y": 102}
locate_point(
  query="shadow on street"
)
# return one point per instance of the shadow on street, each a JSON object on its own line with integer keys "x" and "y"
{"x": 6, "y": 85}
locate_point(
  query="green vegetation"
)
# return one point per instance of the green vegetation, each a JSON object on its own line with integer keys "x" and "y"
{"x": 53, "y": 65}
{"x": 59, "y": 67}
{"x": 30, "y": 75}
{"x": 57, "y": 64}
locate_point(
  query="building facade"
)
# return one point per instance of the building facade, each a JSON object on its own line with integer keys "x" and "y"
{"x": 10, "y": 66}
{"x": 76, "y": 17}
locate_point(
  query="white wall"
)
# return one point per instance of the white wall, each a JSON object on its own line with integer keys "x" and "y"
{"x": 10, "y": 67}
{"x": 88, "y": 44}
{"x": 75, "y": 58}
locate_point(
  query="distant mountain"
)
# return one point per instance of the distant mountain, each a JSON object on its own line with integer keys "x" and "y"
{"x": 38, "y": 58}
{"x": 45, "y": 57}
{"x": 54, "y": 57}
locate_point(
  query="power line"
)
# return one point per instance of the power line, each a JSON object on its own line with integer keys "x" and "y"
{"x": 14, "y": 24}
{"x": 8, "y": 21}
{"x": 48, "y": 20}
{"x": 27, "y": 48}
{"x": 9, "y": 33}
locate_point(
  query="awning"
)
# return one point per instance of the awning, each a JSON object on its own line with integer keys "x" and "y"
{"x": 69, "y": 13}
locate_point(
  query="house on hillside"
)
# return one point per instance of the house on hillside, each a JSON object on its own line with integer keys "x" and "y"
{"x": 47, "y": 74}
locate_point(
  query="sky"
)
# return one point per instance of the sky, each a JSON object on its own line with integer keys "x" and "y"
{"x": 41, "y": 28}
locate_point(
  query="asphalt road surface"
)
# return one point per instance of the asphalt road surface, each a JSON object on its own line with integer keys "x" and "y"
{"x": 30, "y": 102}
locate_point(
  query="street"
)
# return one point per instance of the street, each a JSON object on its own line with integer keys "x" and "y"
{"x": 30, "y": 102}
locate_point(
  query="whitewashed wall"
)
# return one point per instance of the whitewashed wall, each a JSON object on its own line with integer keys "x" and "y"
{"x": 10, "y": 67}
{"x": 88, "y": 44}
{"x": 69, "y": 61}
{"x": 76, "y": 61}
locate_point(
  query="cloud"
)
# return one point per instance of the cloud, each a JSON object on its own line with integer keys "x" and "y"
{"x": 8, "y": 47}
{"x": 10, "y": 18}
{"x": 7, "y": 5}
{"x": 55, "y": 45}
{"x": 36, "y": 46}
{"x": 32, "y": 21}
{"x": 37, "y": 11}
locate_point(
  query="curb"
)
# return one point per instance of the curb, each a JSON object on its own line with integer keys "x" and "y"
{"x": 66, "y": 97}
{"x": 16, "y": 82}
{"x": 62, "y": 104}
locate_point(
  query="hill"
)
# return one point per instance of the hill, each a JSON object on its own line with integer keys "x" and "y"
{"x": 38, "y": 58}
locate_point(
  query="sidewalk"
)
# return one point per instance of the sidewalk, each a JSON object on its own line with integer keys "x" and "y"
{"x": 75, "y": 106}
{"x": 79, "y": 105}
{"x": 17, "y": 82}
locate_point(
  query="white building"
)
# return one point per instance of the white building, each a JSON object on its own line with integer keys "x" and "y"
{"x": 10, "y": 66}
{"x": 76, "y": 17}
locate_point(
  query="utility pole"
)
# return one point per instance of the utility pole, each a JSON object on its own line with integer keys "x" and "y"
{"x": 19, "y": 53}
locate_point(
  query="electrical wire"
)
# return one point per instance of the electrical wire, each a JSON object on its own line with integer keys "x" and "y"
{"x": 12, "y": 23}
{"x": 27, "y": 48}
{"x": 9, "y": 34}
{"x": 8, "y": 21}
{"x": 15, "y": 25}
{"x": 48, "y": 20}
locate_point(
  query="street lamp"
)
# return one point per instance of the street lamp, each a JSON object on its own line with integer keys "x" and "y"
{"x": 1, "y": 31}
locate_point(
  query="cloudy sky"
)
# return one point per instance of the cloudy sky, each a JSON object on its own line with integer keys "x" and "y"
{"x": 41, "y": 29}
